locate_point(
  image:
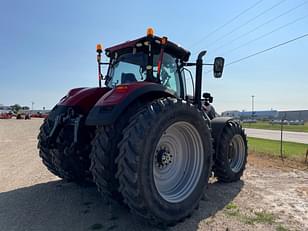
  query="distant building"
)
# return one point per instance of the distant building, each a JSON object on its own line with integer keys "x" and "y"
{"x": 5, "y": 109}
{"x": 39, "y": 111}
{"x": 294, "y": 115}
{"x": 269, "y": 115}
{"x": 234, "y": 114}
{"x": 259, "y": 115}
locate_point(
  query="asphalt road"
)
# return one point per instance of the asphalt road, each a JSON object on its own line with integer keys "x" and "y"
{"x": 299, "y": 137}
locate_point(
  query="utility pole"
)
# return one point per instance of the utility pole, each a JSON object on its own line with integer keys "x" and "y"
{"x": 252, "y": 105}
{"x": 32, "y": 105}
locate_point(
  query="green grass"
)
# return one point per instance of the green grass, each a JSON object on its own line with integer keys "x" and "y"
{"x": 272, "y": 147}
{"x": 263, "y": 217}
{"x": 268, "y": 126}
{"x": 260, "y": 217}
{"x": 233, "y": 211}
{"x": 281, "y": 228}
{"x": 231, "y": 205}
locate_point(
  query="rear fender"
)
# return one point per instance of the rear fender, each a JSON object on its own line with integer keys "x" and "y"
{"x": 111, "y": 105}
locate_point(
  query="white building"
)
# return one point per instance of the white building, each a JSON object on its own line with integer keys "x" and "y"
{"x": 5, "y": 109}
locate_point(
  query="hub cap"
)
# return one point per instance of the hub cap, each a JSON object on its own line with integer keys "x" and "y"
{"x": 178, "y": 162}
{"x": 236, "y": 153}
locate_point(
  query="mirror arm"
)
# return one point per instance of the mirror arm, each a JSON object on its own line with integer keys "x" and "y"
{"x": 189, "y": 64}
{"x": 194, "y": 64}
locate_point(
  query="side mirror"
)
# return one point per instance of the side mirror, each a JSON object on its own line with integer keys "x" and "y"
{"x": 218, "y": 66}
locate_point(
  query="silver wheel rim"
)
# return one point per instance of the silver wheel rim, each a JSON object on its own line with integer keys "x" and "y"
{"x": 178, "y": 162}
{"x": 236, "y": 153}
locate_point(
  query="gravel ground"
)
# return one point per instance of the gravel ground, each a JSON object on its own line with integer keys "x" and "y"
{"x": 271, "y": 195}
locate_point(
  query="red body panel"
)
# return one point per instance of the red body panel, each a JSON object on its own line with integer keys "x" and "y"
{"x": 118, "y": 94}
{"x": 5, "y": 116}
{"x": 75, "y": 90}
{"x": 39, "y": 115}
{"x": 84, "y": 98}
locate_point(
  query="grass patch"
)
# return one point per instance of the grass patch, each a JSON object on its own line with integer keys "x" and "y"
{"x": 281, "y": 228}
{"x": 263, "y": 217}
{"x": 272, "y": 147}
{"x": 231, "y": 205}
{"x": 260, "y": 217}
{"x": 232, "y": 210}
{"x": 268, "y": 126}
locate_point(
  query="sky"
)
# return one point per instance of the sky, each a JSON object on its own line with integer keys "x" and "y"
{"x": 48, "y": 47}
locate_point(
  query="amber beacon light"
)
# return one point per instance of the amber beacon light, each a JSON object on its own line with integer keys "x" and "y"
{"x": 150, "y": 32}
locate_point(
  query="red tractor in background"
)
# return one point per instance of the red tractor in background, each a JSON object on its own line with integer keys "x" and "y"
{"x": 6, "y": 115}
{"x": 141, "y": 139}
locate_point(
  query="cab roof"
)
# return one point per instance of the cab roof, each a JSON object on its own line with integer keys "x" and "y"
{"x": 171, "y": 48}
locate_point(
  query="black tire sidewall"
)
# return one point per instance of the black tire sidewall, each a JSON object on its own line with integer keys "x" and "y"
{"x": 160, "y": 207}
{"x": 222, "y": 155}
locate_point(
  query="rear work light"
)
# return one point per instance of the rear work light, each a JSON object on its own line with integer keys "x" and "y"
{"x": 122, "y": 89}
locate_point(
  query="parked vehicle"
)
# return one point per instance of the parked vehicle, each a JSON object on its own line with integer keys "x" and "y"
{"x": 6, "y": 115}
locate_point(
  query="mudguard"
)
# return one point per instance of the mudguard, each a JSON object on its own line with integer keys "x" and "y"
{"x": 80, "y": 100}
{"x": 115, "y": 102}
{"x": 217, "y": 126}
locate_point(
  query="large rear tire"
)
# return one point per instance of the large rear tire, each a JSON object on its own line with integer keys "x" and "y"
{"x": 164, "y": 161}
{"x": 231, "y": 153}
{"x": 104, "y": 152}
{"x": 62, "y": 158}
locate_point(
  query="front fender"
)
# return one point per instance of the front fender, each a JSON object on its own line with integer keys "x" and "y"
{"x": 84, "y": 98}
{"x": 108, "y": 109}
{"x": 217, "y": 126}
{"x": 80, "y": 100}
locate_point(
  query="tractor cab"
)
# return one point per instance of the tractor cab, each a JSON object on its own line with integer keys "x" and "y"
{"x": 154, "y": 59}
{"x": 147, "y": 59}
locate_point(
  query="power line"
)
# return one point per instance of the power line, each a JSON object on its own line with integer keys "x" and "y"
{"x": 261, "y": 25}
{"x": 268, "y": 33}
{"x": 247, "y": 22}
{"x": 265, "y": 50}
{"x": 226, "y": 23}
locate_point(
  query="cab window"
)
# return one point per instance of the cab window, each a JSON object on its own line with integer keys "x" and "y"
{"x": 169, "y": 76}
{"x": 128, "y": 68}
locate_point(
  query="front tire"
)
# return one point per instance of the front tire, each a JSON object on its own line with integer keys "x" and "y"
{"x": 164, "y": 161}
{"x": 62, "y": 158}
{"x": 231, "y": 153}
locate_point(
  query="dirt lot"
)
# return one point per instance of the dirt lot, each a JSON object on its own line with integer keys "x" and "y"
{"x": 270, "y": 196}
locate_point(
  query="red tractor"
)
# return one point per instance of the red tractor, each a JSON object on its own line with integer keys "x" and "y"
{"x": 141, "y": 139}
